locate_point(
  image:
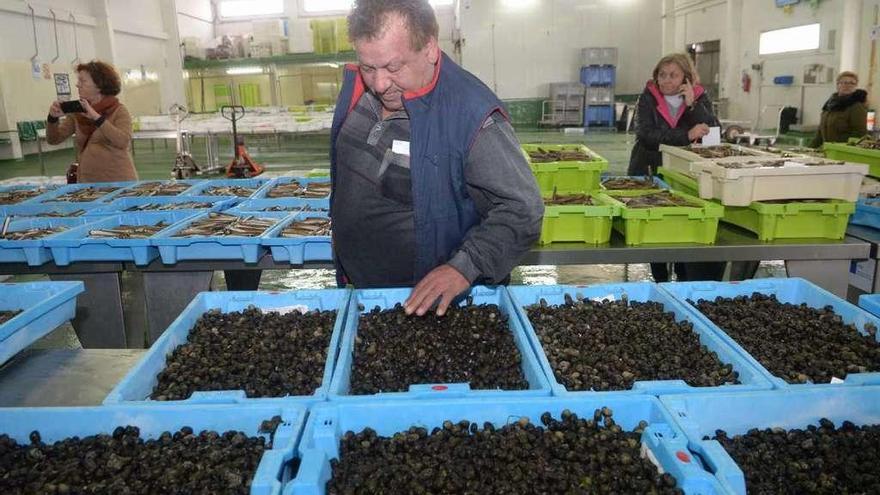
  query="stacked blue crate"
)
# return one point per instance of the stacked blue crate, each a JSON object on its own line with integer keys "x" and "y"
{"x": 598, "y": 74}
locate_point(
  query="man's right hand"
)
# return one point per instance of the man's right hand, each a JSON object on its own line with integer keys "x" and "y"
{"x": 55, "y": 110}
{"x": 698, "y": 131}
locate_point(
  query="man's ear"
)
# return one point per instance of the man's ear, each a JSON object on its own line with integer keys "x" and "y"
{"x": 432, "y": 51}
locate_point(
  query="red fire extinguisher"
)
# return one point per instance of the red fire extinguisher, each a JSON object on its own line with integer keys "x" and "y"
{"x": 746, "y": 82}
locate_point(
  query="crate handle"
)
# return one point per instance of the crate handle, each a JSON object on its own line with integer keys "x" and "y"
{"x": 434, "y": 390}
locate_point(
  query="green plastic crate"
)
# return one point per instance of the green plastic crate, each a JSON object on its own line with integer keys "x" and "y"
{"x": 679, "y": 182}
{"x": 569, "y": 177}
{"x": 590, "y": 224}
{"x": 796, "y": 220}
{"x": 670, "y": 224}
{"x": 848, "y": 153}
{"x": 318, "y": 173}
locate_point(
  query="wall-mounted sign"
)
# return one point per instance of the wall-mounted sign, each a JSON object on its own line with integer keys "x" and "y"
{"x": 62, "y": 85}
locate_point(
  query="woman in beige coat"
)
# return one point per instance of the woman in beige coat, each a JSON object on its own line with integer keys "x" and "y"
{"x": 103, "y": 130}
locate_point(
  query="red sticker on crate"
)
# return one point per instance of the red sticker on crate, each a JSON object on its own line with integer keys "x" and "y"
{"x": 683, "y": 457}
{"x": 439, "y": 387}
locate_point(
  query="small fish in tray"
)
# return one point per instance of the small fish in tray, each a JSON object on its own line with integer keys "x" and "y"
{"x": 627, "y": 183}
{"x": 568, "y": 199}
{"x": 8, "y": 315}
{"x": 547, "y": 156}
{"x": 868, "y": 143}
{"x": 155, "y": 189}
{"x": 660, "y": 199}
{"x": 128, "y": 231}
{"x": 19, "y": 195}
{"x": 719, "y": 151}
{"x": 296, "y": 190}
{"x": 295, "y": 208}
{"x": 61, "y": 214}
{"x": 85, "y": 195}
{"x": 240, "y": 191}
{"x": 221, "y": 224}
{"x": 187, "y": 205}
{"x": 31, "y": 234}
{"x": 309, "y": 227}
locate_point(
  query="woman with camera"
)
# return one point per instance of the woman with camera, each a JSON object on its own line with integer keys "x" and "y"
{"x": 101, "y": 123}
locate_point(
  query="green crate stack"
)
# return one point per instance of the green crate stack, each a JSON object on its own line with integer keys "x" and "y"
{"x": 566, "y": 177}
{"x": 590, "y": 224}
{"x": 849, "y": 153}
{"x": 670, "y": 224}
{"x": 825, "y": 219}
{"x": 330, "y": 36}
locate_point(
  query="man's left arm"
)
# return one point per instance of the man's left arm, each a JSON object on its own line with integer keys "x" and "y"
{"x": 507, "y": 197}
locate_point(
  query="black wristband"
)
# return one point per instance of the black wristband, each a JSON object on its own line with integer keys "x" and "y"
{"x": 52, "y": 120}
{"x": 99, "y": 121}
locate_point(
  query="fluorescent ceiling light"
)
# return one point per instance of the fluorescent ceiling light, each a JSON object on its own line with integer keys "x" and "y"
{"x": 235, "y": 71}
{"x": 793, "y": 39}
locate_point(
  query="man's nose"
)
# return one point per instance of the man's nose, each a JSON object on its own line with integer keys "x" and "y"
{"x": 383, "y": 81}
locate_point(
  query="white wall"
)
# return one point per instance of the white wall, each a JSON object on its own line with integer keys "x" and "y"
{"x": 519, "y": 52}
{"x": 195, "y": 19}
{"x": 706, "y": 20}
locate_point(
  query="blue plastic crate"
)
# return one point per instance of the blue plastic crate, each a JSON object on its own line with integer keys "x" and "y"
{"x": 786, "y": 290}
{"x": 866, "y": 214}
{"x": 189, "y": 182}
{"x": 749, "y": 376}
{"x": 76, "y": 245}
{"x": 203, "y": 185}
{"x": 329, "y": 421}
{"x": 248, "y": 249}
{"x": 598, "y": 75}
{"x": 700, "y": 415}
{"x": 120, "y": 205}
{"x": 297, "y": 250}
{"x": 40, "y": 211}
{"x": 870, "y": 303}
{"x": 51, "y": 196}
{"x": 44, "y": 306}
{"x": 261, "y": 194}
{"x": 139, "y": 382}
{"x": 18, "y": 187}
{"x": 273, "y": 471}
{"x": 599, "y": 114}
{"x": 290, "y": 205}
{"x": 386, "y": 299}
{"x": 34, "y": 252}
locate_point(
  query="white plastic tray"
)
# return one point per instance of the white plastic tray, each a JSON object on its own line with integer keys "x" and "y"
{"x": 798, "y": 178}
{"x": 679, "y": 159}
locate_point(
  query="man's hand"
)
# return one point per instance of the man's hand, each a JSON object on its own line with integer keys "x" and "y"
{"x": 444, "y": 283}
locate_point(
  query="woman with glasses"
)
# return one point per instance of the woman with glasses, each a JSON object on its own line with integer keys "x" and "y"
{"x": 845, "y": 114}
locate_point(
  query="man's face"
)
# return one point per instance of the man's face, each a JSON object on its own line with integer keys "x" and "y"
{"x": 390, "y": 67}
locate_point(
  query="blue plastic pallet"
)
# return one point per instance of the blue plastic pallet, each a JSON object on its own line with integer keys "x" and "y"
{"x": 700, "y": 415}
{"x": 865, "y": 214}
{"x": 599, "y": 114}
{"x": 76, "y": 245}
{"x": 329, "y": 421}
{"x": 787, "y": 290}
{"x": 248, "y": 249}
{"x": 290, "y": 205}
{"x": 658, "y": 182}
{"x": 120, "y": 205}
{"x": 37, "y": 210}
{"x": 261, "y": 194}
{"x": 273, "y": 471}
{"x": 44, "y": 306}
{"x": 297, "y": 250}
{"x": 870, "y": 303}
{"x": 749, "y": 376}
{"x": 203, "y": 185}
{"x": 386, "y": 299}
{"x": 190, "y": 182}
{"x": 50, "y": 196}
{"x": 598, "y": 75}
{"x": 34, "y": 252}
{"x": 139, "y": 382}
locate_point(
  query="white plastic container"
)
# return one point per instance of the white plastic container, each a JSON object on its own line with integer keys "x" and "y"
{"x": 800, "y": 178}
{"x": 679, "y": 159}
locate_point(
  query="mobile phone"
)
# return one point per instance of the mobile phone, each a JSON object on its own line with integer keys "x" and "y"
{"x": 73, "y": 106}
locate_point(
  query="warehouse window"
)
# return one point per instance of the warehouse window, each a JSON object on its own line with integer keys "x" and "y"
{"x": 250, "y": 8}
{"x": 793, "y": 39}
{"x": 342, "y": 6}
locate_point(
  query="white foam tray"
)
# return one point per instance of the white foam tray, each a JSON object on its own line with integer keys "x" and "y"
{"x": 679, "y": 159}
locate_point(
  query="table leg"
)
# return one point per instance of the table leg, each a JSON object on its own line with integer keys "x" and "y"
{"x": 242, "y": 279}
{"x": 99, "y": 321}
{"x": 167, "y": 294}
{"x": 831, "y": 275}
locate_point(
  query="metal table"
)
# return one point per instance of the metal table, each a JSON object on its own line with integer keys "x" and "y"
{"x": 858, "y": 233}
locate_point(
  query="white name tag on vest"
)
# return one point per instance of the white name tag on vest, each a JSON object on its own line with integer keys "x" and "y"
{"x": 400, "y": 147}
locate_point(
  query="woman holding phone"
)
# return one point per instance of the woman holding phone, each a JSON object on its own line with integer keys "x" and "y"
{"x": 101, "y": 123}
{"x": 673, "y": 109}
